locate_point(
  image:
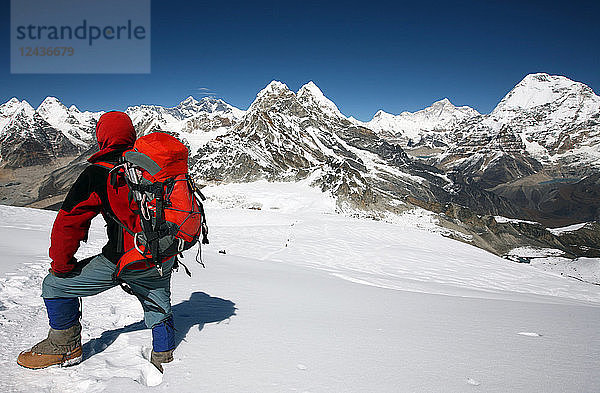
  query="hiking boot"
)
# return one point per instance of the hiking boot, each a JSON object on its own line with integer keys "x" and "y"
{"x": 161, "y": 357}
{"x": 61, "y": 347}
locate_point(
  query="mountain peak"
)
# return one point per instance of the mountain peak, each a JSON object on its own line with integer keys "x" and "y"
{"x": 311, "y": 88}
{"x": 210, "y": 99}
{"x": 444, "y": 101}
{"x": 10, "y": 106}
{"x": 15, "y": 106}
{"x": 541, "y": 77}
{"x": 539, "y": 89}
{"x": 310, "y": 93}
{"x": 12, "y": 101}
{"x": 381, "y": 114}
{"x": 50, "y": 102}
{"x": 189, "y": 100}
{"x": 273, "y": 87}
{"x": 543, "y": 80}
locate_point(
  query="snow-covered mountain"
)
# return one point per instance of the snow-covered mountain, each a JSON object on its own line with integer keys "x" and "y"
{"x": 542, "y": 136}
{"x": 544, "y": 121}
{"x": 551, "y": 119}
{"x": 190, "y": 115}
{"x": 53, "y": 130}
{"x": 43, "y": 150}
{"x": 77, "y": 126}
{"x": 539, "y": 148}
{"x": 291, "y": 136}
{"x": 28, "y": 138}
{"x": 557, "y": 119}
{"x": 512, "y": 162}
{"x": 194, "y": 122}
{"x": 432, "y": 123}
{"x": 11, "y": 108}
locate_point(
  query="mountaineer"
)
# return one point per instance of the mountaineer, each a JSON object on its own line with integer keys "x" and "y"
{"x": 95, "y": 192}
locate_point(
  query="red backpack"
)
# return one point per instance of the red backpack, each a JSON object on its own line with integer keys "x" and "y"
{"x": 170, "y": 205}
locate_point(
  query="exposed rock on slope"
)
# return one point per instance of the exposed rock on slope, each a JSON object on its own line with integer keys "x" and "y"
{"x": 534, "y": 157}
{"x": 289, "y": 136}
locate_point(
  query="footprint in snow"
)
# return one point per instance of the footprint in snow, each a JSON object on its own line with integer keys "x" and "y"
{"x": 473, "y": 382}
{"x": 529, "y": 334}
{"x": 150, "y": 376}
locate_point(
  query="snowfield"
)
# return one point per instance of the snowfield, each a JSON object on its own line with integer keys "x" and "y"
{"x": 306, "y": 300}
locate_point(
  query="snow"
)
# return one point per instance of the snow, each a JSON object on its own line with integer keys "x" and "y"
{"x": 537, "y": 90}
{"x": 542, "y": 107}
{"x": 189, "y": 100}
{"x": 473, "y": 382}
{"x": 529, "y": 334}
{"x": 570, "y": 228}
{"x": 533, "y": 147}
{"x": 61, "y": 118}
{"x": 308, "y": 300}
{"x": 315, "y": 96}
{"x": 274, "y": 87}
{"x": 505, "y": 220}
{"x": 532, "y": 252}
{"x": 440, "y": 116}
{"x": 200, "y": 138}
{"x": 12, "y": 109}
{"x": 78, "y": 126}
{"x": 194, "y": 121}
{"x": 586, "y": 269}
{"x": 15, "y": 229}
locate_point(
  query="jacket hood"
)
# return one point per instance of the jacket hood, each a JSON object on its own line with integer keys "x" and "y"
{"x": 114, "y": 132}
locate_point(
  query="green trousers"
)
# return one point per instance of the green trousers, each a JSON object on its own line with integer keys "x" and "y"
{"x": 97, "y": 276}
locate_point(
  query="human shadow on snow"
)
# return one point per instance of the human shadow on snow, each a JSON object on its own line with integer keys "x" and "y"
{"x": 199, "y": 309}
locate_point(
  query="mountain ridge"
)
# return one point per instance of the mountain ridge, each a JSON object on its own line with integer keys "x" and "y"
{"x": 459, "y": 163}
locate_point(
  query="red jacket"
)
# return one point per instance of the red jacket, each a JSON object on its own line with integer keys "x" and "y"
{"x": 93, "y": 194}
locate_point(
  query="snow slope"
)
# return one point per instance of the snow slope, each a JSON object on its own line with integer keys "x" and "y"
{"x": 283, "y": 309}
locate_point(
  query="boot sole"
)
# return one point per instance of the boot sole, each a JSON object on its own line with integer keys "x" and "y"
{"x": 72, "y": 362}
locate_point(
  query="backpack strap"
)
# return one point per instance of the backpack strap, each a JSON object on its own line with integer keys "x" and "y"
{"x": 104, "y": 164}
{"x": 200, "y": 198}
{"x": 112, "y": 216}
{"x": 113, "y": 168}
{"x": 154, "y": 231}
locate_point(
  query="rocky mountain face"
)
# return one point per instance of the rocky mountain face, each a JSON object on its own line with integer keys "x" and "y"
{"x": 534, "y": 157}
{"x": 288, "y": 136}
{"x": 36, "y": 144}
{"x": 540, "y": 140}
{"x": 28, "y": 137}
{"x": 550, "y": 118}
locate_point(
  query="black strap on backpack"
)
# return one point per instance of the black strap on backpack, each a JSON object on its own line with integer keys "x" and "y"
{"x": 201, "y": 198}
{"x": 154, "y": 231}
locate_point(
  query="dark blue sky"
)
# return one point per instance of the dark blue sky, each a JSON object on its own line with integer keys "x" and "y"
{"x": 365, "y": 56}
